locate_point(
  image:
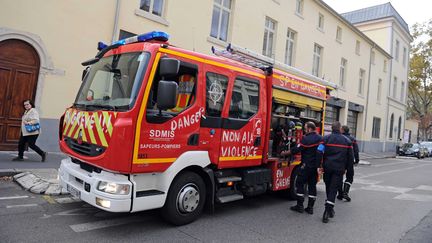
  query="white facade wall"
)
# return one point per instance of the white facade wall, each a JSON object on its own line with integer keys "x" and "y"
{"x": 70, "y": 32}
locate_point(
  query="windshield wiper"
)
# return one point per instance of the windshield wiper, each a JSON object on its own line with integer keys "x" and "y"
{"x": 80, "y": 105}
{"x": 105, "y": 107}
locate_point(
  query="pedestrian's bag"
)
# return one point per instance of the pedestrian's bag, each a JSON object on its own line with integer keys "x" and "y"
{"x": 32, "y": 127}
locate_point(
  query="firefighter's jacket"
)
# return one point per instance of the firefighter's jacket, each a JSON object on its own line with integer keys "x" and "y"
{"x": 355, "y": 147}
{"x": 308, "y": 148}
{"x": 337, "y": 152}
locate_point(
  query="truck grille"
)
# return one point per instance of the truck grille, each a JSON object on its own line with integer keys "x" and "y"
{"x": 84, "y": 148}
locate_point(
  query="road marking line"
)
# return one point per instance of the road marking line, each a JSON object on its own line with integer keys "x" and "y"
{"x": 103, "y": 224}
{"x": 424, "y": 187}
{"x": 49, "y": 199}
{"x": 393, "y": 171}
{"x": 23, "y": 205}
{"x": 387, "y": 189}
{"x": 14, "y": 197}
{"x": 394, "y": 163}
{"x": 366, "y": 181}
{"x": 414, "y": 197}
{"x": 67, "y": 200}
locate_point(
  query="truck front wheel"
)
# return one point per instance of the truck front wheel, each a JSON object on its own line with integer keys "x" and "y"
{"x": 185, "y": 200}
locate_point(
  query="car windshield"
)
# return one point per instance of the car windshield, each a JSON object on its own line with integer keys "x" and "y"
{"x": 113, "y": 82}
{"x": 407, "y": 145}
{"x": 415, "y": 146}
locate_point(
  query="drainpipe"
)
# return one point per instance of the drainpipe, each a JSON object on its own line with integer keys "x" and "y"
{"x": 388, "y": 90}
{"x": 368, "y": 89}
{"x": 116, "y": 19}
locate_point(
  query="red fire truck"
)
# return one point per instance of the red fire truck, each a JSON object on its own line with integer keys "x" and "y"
{"x": 157, "y": 126}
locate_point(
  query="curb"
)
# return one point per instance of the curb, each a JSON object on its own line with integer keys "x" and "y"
{"x": 38, "y": 185}
{"x": 9, "y": 172}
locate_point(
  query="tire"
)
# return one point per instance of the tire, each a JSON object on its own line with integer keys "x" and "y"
{"x": 177, "y": 209}
{"x": 293, "y": 188}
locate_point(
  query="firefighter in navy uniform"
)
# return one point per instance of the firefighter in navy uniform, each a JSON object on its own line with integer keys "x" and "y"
{"x": 337, "y": 153}
{"x": 343, "y": 192}
{"x": 308, "y": 170}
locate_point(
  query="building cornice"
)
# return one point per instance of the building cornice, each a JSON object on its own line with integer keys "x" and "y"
{"x": 352, "y": 27}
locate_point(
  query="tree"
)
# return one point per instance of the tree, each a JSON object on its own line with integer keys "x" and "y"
{"x": 420, "y": 78}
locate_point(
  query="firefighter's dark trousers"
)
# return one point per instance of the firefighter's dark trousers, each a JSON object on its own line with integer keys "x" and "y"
{"x": 333, "y": 181}
{"x": 307, "y": 176}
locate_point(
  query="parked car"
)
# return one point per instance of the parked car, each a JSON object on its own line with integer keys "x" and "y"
{"x": 428, "y": 145}
{"x": 413, "y": 149}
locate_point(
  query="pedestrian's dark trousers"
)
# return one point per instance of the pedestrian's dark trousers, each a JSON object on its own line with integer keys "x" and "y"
{"x": 309, "y": 176}
{"x": 333, "y": 181}
{"x": 31, "y": 140}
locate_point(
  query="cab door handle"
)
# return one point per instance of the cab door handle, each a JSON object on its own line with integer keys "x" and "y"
{"x": 193, "y": 139}
{"x": 257, "y": 141}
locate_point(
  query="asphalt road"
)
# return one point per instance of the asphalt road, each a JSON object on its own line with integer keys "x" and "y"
{"x": 392, "y": 200}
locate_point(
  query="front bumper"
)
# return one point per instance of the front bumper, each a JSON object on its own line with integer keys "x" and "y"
{"x": 84, "y": 183}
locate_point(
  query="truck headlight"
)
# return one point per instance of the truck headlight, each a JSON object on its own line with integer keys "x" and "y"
{"x": 113, "y": 188}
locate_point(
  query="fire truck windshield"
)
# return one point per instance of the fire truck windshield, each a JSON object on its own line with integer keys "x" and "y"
{"x": 113, "y": 82}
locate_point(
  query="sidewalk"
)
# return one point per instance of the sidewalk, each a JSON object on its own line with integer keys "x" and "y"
{"x": 32, "y": 174}
{"x": 42, "y": 177}
{"x": 376, "y": 155}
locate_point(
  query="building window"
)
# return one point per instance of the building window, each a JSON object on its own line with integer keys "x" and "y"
{"x": 299, "y": 7}
{"x": 373, "y": 57}
{"x": 352, "y": 122}
{"x": 269, "y": 36}
{"x": 331, "y": 115}
{"x": 379, "y": 90}
{"x": 385, "y": 66}
{"x": 399, "y": 127}
{"x": 404, "y": 57}
{"x": 342, "y": 72}
{"x": 339, "y": 34}
{"x": 391, "y": 126}
{"x": 376, "y": 125}
{"x": 396, "y": 55}
{"x": 220, "y": 19}
{"x": 361, "y": 81}
{"x": 320, "y": 22}
{"x": 289, "y": 48}
{"x": 402, "y": 94}
{"x": 317, "y": 60}
{"x": 357, "y": 50}
{"x": 394, "y": 87}
{"x": 152, "y": 6}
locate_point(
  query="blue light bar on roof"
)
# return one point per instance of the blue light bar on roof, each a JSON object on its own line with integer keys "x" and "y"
{"x": 154, "y": 35}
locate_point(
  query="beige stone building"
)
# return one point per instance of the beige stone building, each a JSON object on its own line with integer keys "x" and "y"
{"x": 365, "y": 56}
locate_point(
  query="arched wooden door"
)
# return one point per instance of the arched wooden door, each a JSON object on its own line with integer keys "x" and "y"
{"x": 19, "y": 69}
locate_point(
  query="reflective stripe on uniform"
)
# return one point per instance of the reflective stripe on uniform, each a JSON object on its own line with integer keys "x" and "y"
{"x": 312, "y": 196}
{"x": 338, "y": 145}
{"x": 300, "y": 195}
{"x": 328, "y": 202}
{"x": 347, "y": 183}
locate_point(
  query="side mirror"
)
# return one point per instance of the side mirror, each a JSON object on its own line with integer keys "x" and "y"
{"x": 167, "y": 95}
{"x": 84, "y": 73}
{"x": 169, "y": 67}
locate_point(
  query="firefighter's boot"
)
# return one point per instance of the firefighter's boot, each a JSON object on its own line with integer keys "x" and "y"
{"x": 346, "y": 191}
{"x": 340, "y": 194}
{"x": 299, "y": 207}
{"x": 328, "y": 213}
{"x": 311, "y": 203}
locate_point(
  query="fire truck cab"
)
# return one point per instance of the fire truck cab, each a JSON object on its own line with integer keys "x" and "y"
{"x": 157, "y": 126}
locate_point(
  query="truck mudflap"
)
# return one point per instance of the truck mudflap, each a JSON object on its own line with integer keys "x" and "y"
{"x": 84, "y": 185}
